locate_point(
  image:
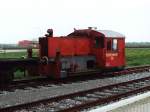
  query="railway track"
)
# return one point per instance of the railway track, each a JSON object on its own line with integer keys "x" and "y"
{"x": 85, "y": 99}
{"x": 42, "y": 81}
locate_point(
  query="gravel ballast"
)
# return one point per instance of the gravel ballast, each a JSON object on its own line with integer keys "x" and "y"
{"x": 30, "y": 94}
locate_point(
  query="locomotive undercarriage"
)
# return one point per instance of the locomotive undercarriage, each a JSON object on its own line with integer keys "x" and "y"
{"x": 78, "y": 63}
{"x": 83, "y": 65}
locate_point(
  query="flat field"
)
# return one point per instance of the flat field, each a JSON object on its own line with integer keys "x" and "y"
{"x": 16, "y": 53}
{"x": 137, "y": 56}
{"x": 134, "y": 56}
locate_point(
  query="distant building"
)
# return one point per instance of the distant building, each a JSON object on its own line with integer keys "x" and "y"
{"x": 28, "y": 43}
{"x": 24, "y": 43}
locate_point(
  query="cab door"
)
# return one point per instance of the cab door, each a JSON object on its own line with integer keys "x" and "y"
{"x": 112, "y": 53}
{"x": 99, "y": 51}
{"x": 121, "y": 52}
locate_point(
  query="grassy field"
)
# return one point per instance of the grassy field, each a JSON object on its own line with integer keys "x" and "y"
{"x": 137, "y": 56}
{"x": 17, "y": 73}
{"x": 16, "y": 54}
{"x": 134, "y": 56}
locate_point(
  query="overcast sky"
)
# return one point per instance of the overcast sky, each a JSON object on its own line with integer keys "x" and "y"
{"x": 29, "y": 19}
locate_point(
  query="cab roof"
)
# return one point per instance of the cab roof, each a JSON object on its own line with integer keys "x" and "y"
{"x": 110, "y": 33}
{"x": 91, "y": 32}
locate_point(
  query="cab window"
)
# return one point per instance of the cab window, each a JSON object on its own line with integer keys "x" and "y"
{"x": 114, "y": 45}
{"x": 109, "y": 45}
{"x": 99, "y": 42}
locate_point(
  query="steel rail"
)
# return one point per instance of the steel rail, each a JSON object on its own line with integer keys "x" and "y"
{"x": 21, "y": 84}
{"x": 88, "y": 104}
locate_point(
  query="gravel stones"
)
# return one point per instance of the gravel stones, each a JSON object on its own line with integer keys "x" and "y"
{"x": 20, "y": 96}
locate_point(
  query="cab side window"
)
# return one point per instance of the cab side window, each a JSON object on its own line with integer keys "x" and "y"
{"x": 99, "y": 42}
{"x": 109, "y": 45}
{"x": 112, "y": 45}
{"x": 115, "y": 45}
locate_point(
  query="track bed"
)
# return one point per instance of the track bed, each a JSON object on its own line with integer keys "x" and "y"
{"x": 30, "y": 94}
{"x": 85, "y": 99}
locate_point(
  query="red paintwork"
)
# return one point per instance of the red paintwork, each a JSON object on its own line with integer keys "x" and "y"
{"x": 68, "y": 46}
{"x": 116, "y": 58}
{"x": 80, "y": 43}
{"x": 97, "y": 52}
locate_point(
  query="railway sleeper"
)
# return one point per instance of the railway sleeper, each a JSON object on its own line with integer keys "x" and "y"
{"x": 134, "y": 86}
{"x": 104, "y": 94}
{"x": 140, "y": 85}
{"x": 120, "y": 90}
{"x": 128, "y": 87}
{"x": 99, "y": 95}
{"x": 110, "y": 92}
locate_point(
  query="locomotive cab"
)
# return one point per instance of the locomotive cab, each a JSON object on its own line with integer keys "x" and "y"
{"x": 115, "y": 51}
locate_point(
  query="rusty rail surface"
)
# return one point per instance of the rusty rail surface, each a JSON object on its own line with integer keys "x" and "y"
{"x": 88, "y": 98}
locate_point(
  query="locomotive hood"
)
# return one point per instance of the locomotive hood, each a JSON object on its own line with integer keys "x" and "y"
{"x": 87, "y": 33}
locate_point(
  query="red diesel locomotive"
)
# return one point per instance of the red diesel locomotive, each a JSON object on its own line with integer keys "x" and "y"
{"x": 82, "y": 51}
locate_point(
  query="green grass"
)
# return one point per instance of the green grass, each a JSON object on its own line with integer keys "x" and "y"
{"x": 137, "y": 56}
{"x": 16, "y": 54}
{"x": 134, "y": 56}
{"x": 18, "y": 73}
{"x": 12, "y": 55}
